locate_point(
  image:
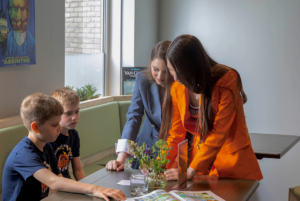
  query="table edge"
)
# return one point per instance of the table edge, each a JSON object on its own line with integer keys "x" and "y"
{"x": 252, "y": 191}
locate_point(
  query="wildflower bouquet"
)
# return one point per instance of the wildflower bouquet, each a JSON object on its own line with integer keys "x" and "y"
{"x": 148, "y": 160}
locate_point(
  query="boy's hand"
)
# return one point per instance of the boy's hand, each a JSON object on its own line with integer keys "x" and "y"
{"x": 62, "y": 184}
{"x": 115, "y": 165}
{"x": 108, "y": 192}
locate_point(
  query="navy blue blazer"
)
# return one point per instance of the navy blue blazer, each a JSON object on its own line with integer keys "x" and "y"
{"x": 146, "y": 99}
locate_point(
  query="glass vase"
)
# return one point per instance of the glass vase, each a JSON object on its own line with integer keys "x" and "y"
{"x": 138, "y": 184}
{"x": 156, "y": 180}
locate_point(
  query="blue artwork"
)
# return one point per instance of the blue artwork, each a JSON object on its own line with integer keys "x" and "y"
{"x": 17, "y": 33}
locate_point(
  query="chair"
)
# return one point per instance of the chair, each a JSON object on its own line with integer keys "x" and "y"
{"x": 294, "y": 194}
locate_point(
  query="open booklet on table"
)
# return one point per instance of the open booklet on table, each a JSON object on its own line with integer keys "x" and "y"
{"x": 162, "y": 195}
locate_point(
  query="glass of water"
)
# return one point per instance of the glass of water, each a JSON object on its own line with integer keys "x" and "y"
{"x": 138, "y": 185}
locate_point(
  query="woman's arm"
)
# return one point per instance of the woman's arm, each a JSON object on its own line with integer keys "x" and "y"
{"x": 135, "y": 110}
{"x": 134, "y": 118}
{"x": 222, "y": 123}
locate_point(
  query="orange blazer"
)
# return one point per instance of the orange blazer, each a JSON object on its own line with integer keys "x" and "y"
{"x": 227, "y": 148}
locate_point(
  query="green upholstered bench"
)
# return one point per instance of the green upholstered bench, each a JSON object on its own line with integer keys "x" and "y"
{"x": 99, "y": 128}
{"x": 9, "y": 138}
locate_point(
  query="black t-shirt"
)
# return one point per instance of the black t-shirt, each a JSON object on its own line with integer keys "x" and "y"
{"x": 65, "y": 148}
{"x": 24, "y": 160}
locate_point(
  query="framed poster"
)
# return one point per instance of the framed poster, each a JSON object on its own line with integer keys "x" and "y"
{"x": 17, "y": 33}
{"x": 128, "y": 78}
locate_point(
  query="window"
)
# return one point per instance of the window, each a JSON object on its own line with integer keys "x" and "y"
{"x": 84, "y": 42}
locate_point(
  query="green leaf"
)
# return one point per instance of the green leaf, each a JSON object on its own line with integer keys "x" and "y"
{"x": 70, "y": 87}
{"x": 166, "y": 161}
{"x": 82, "y": 93}
{"x": 162, "y": 169}
{"x": 158, "y": 143}
{"x": 146, "y": 162}
{"x": 91, "y": 89}
{"x": 141, "y": 164}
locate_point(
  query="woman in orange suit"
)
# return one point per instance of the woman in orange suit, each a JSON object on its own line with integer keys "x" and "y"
{"x": 207, "y": 101}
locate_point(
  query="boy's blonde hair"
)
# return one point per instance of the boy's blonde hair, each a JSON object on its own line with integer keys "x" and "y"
{"x": 39, "y": 107}
{"x": 66, "y": 96}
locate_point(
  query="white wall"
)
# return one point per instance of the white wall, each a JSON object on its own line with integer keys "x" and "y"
{"x": 48, "y": 74}
{"x": 146, "y": 30}
{"x": 261, "y": 40}
{"x": 139, "y": 31}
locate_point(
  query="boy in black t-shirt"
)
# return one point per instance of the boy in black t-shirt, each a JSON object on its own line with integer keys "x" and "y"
{"x": 31, "y": 168}
{"x": 66, "y": 146}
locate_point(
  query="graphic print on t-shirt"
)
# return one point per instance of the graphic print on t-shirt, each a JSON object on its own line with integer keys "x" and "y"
{"x": 64, "y": 155}
{"x": 44, "y": 186}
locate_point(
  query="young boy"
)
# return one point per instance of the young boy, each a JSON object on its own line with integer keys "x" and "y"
{"x": 66, "y": 146}
{"x": 31, "y": 168}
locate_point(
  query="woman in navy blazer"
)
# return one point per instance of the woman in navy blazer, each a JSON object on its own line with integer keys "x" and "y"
{"x": 148, "y": 97}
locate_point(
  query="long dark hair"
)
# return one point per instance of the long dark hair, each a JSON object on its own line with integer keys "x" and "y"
{"x": 159, "y": 52}
{"x": 199, "y": 73}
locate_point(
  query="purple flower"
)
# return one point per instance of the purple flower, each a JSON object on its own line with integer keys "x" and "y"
{"x": 147, "y": 152}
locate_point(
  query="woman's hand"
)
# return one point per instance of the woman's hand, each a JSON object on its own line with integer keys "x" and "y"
{"x": 191, "y": 173}
{"x": 115, "y": 165}
{"x": 171, "y": 174}
{"x": 144, "y": 170}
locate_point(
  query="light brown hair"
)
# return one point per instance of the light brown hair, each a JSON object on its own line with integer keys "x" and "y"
{"x": 66, "y": 96}
{"x": 39, "y": 107}
{"x": 159, "y": 52}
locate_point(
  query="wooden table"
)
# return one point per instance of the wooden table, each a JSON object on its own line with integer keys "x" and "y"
{"x": 227, "y": 188}
{"x": 272, "y": 146}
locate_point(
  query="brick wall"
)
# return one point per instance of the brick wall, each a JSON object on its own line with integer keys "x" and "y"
{"x": 83, "y": 26}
